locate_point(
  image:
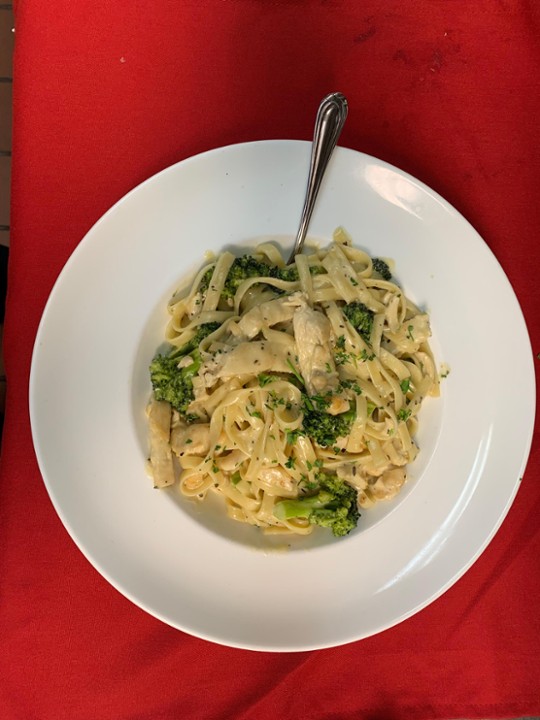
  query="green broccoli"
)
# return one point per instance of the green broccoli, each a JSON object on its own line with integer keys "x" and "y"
{"x": 174, "y": 384}
{"x": 290, "y": 273}
{"x": 317, "y": 424}
{"x": 320, "y": 426}
{"x": 360, "y": 317}
{"x": 202, "y": 332}
{"x": 334, "y": 505}
{"x": 243, "y": 268}
{"x": 381, "y": 268}
{"x": 249, "y": 266}
{"x": 205, "y": 280}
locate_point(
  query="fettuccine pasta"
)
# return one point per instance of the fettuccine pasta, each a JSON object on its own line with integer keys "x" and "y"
{"x": 284, "y": 383}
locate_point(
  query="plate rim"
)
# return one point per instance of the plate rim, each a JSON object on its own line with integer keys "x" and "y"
{"x": 73, "y": 258}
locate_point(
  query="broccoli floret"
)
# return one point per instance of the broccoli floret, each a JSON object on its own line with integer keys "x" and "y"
{"x": 243, "y": 268}
{"x": 174, "y": 384}
{"x": 317, "y": 424}
{"x": 360, "y": 317}
{"x": 290, "y": 273}
{"x": 202, "y": 331}
{"x": 205, "y": 280}
{"x": 320, "y": 426}
{"x": 381, "y": 267}
{"x": 248, "y": 266}
{"x": 335, "y": 506}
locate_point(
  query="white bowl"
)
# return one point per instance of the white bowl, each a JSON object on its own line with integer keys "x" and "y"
{"x": 191, "y": 566}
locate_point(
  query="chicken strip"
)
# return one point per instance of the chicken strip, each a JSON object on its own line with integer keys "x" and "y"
{"x": 250, "y": 358}
{"x": 268, "y": 314}
{"x": 312, "y": 332}
{"x": 159, "y": 421}
{"x": 190, "y": 439}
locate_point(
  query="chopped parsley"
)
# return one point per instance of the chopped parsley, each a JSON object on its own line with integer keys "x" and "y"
{"x": 342, "y": 357}
{"x": 350, "y": 385}
{"x": 405, "y": 385}
{"x": 292, "y": 436}
{"x": 321, "y": 402}
{"x": 295, "y": 372}
{"x": 265, "y": 379}
{"x": 403, "y": 415}
{"x": 308, "y": 484}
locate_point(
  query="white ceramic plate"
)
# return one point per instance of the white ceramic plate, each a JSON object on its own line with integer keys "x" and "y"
{"x": 197, "y": 570}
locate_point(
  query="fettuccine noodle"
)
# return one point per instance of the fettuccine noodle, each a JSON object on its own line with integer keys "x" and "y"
{"x": 283, "y": 363}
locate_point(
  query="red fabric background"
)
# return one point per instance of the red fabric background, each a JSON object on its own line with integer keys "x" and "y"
{"x": 106, "y": 94}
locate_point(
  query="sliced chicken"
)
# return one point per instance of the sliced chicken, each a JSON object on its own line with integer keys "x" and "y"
{"x": 159, "y": 421}
{"x": 389, "y": 484}
{"x": 312, "y": 334}
{"x": 190, "y": 439}
{"x": 268, "y": 314}
{"x": 353, "y": 474}
{"x": 250, "y": 358}
{"x": 278, "y": 482}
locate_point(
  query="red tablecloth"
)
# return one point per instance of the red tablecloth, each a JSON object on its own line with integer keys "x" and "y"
{"x": 106, "y": 94}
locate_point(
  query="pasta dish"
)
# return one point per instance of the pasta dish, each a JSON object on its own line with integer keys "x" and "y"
{"x": 292, "y": 391}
